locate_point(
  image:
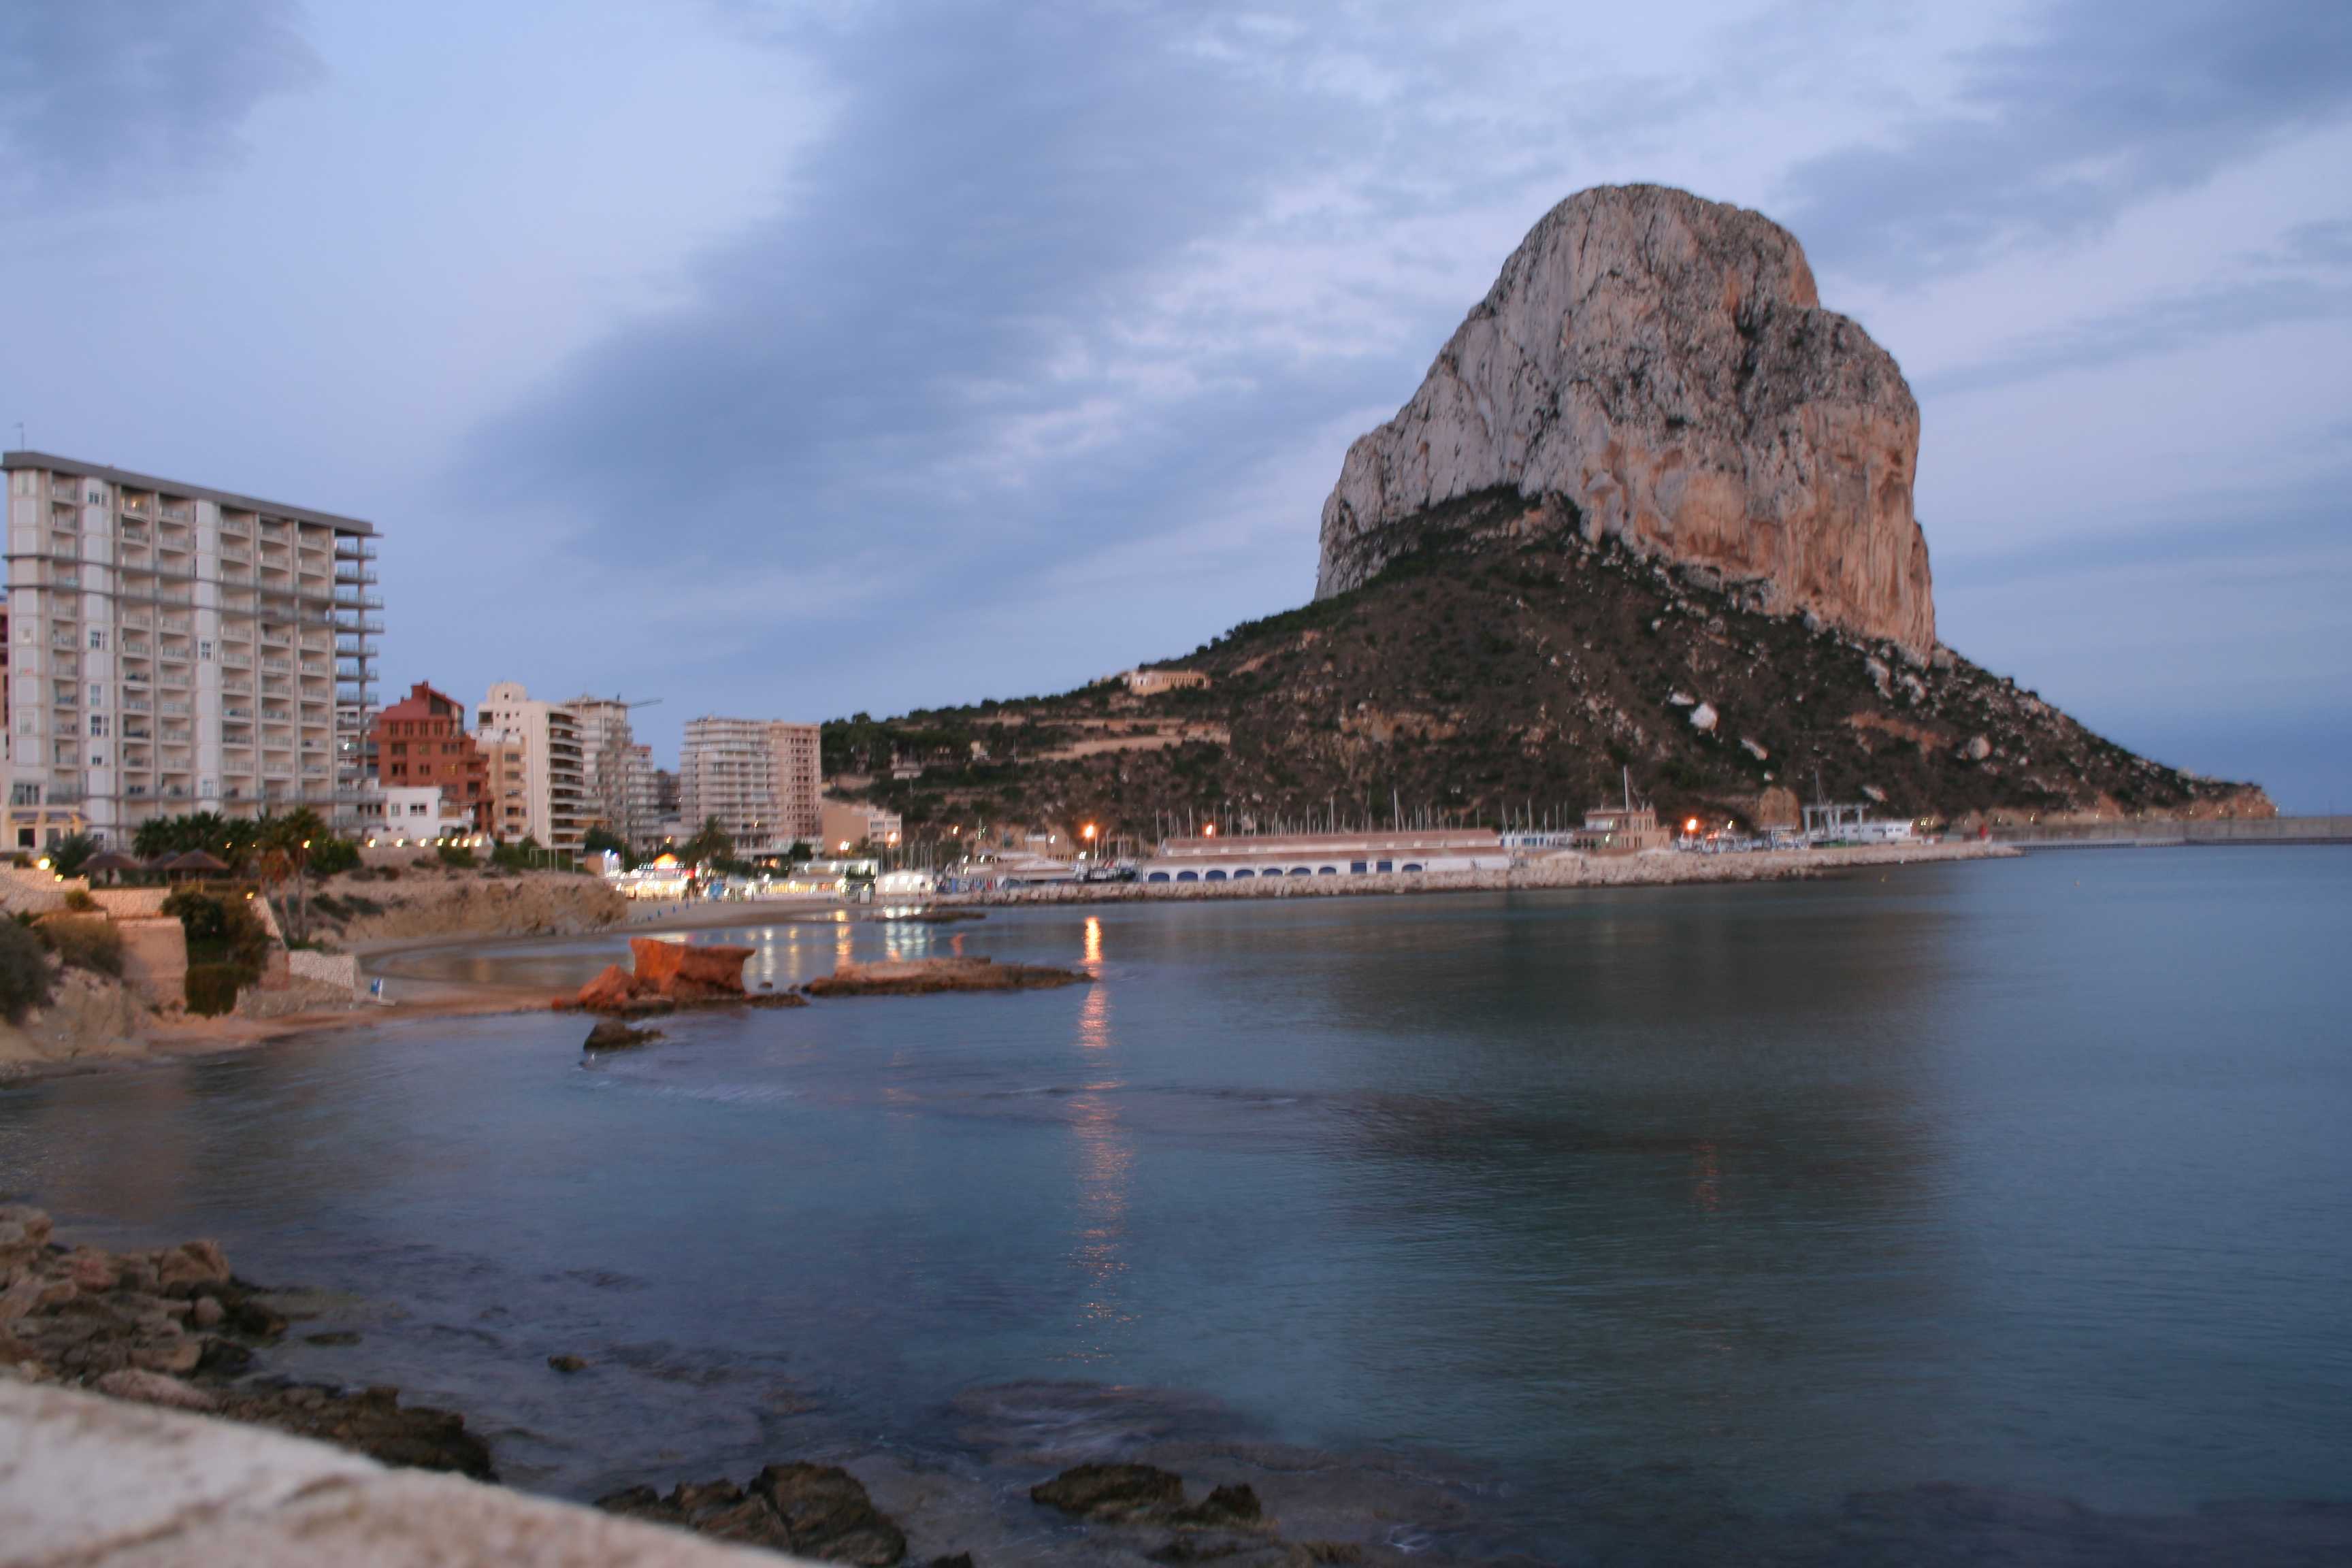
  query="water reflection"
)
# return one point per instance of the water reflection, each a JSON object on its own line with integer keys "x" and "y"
{"x": 1106, "y": 1164}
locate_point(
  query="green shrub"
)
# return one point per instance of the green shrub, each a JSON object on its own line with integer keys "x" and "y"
{"x": 456, "y": 856}
{"x": 221, "y": 929}
{"x": 84, "y": 941}
{"x": 23, "y": 972}
{"x": 79, "y": 901}
{"x": 212, "y": 989}
{"x": 333, "y": 857}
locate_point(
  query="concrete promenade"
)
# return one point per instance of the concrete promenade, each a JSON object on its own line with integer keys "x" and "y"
{"x": 100, "y": 1483}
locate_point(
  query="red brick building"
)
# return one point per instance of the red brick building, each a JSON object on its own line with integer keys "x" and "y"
{"x": 423, "y": 739}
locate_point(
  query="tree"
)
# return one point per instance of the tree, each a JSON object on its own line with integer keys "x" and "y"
{"x": 284, "y": 856}
{"x": 601, "y": 840}
{"x": 67, "y": 856}
{"x": 713, "y": 842}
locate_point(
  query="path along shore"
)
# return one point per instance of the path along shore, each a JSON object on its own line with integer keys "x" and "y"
{"x": 1657, "y": 868}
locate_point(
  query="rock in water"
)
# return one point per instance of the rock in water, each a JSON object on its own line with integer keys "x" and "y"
{"x": 1658, "y": 367}
{"x": 612, "y": 1035}
{"x": 830, "y": 1516}
{"x": 1112, "y": 1491}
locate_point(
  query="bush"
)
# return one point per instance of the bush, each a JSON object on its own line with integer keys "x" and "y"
{"x": 221, "y": 929}
{"x": 79, "y": 901}
{"x": 84, "y": 941}
{"x": 456, "y": 857}
{"x": 212, "y": 989}
{"x": 333, "y": 857}
{"x": 23, "y": 972}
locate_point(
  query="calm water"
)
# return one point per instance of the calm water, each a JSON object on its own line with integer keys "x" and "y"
{"x": 2033, "y": 1175}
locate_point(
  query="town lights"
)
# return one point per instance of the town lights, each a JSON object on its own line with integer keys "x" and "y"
{"x": 1089, "y": 831}
{"x": 1210, "y": 831}
{"x": 1692, "y": 825}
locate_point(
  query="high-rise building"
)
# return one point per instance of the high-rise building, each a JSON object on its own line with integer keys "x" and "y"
{"x": 539, "y": 776}
{"x": 760, "y": 778}
{"x": 642, "y": 797}
{"x": 618, "y": 770}
{"x": 422, "y": 740}
{"x": 179, "y": 649}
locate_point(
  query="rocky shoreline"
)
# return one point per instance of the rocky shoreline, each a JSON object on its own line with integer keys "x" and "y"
{"x": 175, "y": 1327}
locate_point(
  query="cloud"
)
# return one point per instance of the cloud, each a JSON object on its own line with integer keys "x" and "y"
{"x": 967, "y": 342}
{"x": 105, "y": 97}
{"x": 2307, "y": 278}
{"x": 2048, "y": 139}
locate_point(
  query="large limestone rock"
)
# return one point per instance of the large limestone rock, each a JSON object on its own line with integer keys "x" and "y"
{"x": 1663, "y": 364}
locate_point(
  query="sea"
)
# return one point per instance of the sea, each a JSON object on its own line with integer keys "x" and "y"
{"x": 1983, "y": 1211}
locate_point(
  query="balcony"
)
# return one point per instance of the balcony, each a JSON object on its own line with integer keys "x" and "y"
{"x": 346, "y": 600}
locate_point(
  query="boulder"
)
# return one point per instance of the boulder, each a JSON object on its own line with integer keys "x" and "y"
{"x": 1702, "y": 717}
{"x": 612, "y": 1035}
{"x": 829, "y": 1515}
{"x": 1657, "y": 367}
{"x": 611, "y": 991}
{"x": 1112, "y": 1491}
{"x": 91, "y": 1271}
{"x": 182, "y": 1268}
{"x": 688, "y": 971}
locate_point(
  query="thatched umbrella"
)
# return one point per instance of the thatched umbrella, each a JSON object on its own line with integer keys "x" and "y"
{"x": 112, "y": 863}
{"x": 195, "y": 863}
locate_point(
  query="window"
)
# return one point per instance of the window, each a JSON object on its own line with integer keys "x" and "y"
{"x": 205, "y": 652}
{"x": 96, "y": 695}
{"x": 98, "y": 724}
{"x": 97, "y": 639}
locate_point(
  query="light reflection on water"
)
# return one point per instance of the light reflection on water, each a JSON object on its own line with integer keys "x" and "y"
{"x": 2026, "y": 1175}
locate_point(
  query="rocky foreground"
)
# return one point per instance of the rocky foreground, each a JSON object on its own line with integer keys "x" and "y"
{"x": 175, "y": 1327}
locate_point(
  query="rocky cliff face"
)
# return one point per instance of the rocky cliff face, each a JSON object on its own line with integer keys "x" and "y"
{"x": 1658, "y": 368}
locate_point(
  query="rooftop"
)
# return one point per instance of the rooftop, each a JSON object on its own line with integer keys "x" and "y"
{"x": 51, "y": 462}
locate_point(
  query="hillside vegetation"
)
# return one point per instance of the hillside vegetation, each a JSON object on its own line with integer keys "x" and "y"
{"x": 1503, "y": 666}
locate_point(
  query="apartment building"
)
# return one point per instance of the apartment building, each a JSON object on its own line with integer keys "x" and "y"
{"x": 180, "y": 648}
{"x": 641, "y": 794}
{"x": 620, "y": 772}
{"x": 759, "y": 777}
{"x": 423, "y": 742}
{"x": 539, "y": 773}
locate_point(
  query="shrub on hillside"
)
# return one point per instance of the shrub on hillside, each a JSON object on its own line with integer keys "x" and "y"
{"x": 221, "y": 929}
{"x": 23, "y": 972}
{"x": 79, "y": 901}
{"x": 84, "y": 941}
{"x": 212, "y": 989}
{"x": 456, "y": 857}
{"x": 333, "y": 857}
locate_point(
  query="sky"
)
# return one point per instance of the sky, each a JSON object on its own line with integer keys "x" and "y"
{"x": 789, "y": 358}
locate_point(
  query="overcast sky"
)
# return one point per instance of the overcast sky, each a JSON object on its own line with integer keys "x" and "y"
{"x": 791, "y": 359}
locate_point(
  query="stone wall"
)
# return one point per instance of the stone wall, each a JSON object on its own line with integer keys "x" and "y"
{"x": 341, "y": 969}
{"x": 154, "y": 958}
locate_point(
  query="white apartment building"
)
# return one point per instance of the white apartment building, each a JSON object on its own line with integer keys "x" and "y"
{"x": 179, "y": 649}
{"x": 538, "y": 780}
{"x": 619, "y": 773}
{"x": 759, "y": 777}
